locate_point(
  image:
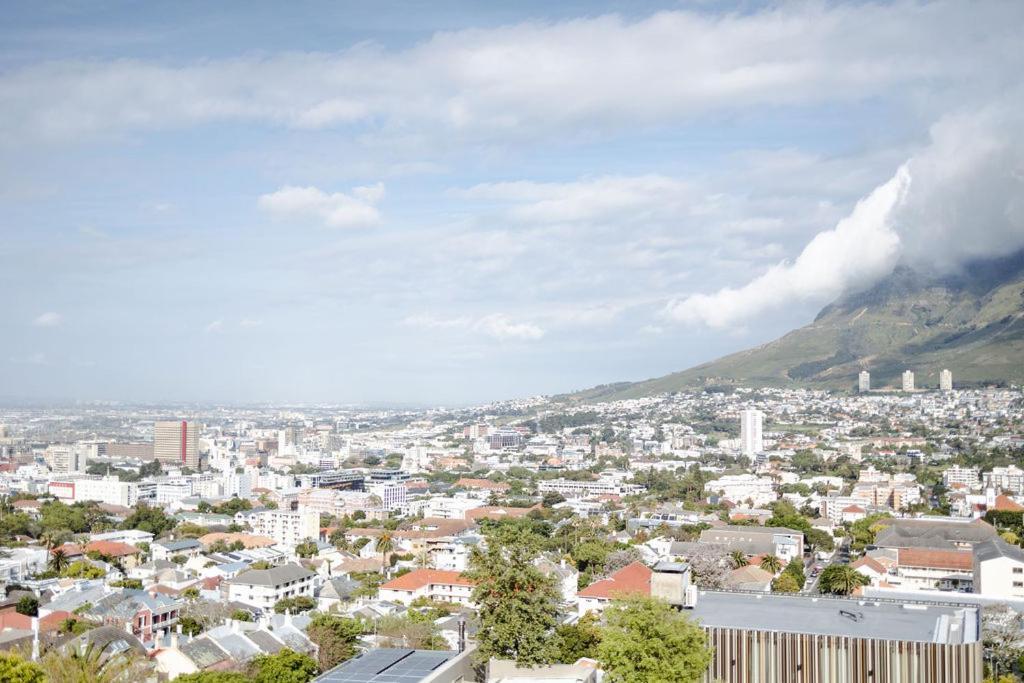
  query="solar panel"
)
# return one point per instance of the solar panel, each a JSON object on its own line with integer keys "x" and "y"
{"x": 387, "y": 665}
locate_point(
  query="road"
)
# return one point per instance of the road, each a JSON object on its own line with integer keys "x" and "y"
{"x": 840, "y": 556}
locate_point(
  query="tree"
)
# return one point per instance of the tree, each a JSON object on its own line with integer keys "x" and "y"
{"x": 785, "y": 583}
{"x": 573, "y": 641}
{"x": 190, "y": 593}
{"x": 80, "y": 569}
{"x": 14, "y": 669}
{"x": 646, "y": 641}
{"x": 771, "y": 563}
{"x": 738, "y": 559}
{"x": 213, "y": 677}
{"x": 241, "y": 615}
{"x": 841, "y": 579}
{"x": 307, "y": 549}
{"x": 94, "y": 664}
{"x": 795, "y": 568}
{"x": 517, "y": 603}
{"x": 336, "y": 638}
{"x": 146, "y": 518}
{"x": 296, "y": 605}
{"x": 58, "y": 560}
{"x": 709, "y": 563}
{"x": 190, "y": 626}
{"x": 385, "y": 545}
{"x": 820, "y": 540}
{"x": 28, "y": 605}
{"x": 286, "y": 666}
{"x": 409, "y": 631}
{"x": 1001, "y": 626}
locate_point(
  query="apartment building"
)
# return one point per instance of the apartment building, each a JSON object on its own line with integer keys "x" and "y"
{"x": 108, "y": 490}
{"x": 176, "y": 442}
{"x": 998, "y": 569}
{"x": 1009, "y": 479}
{"x": 585, "y": 489}
{"x": 956, "y": 475}
{"x": 263, "y": 588}
{"x": 432, "y": 584}
{"x": 784, "y": 543}
{"x": 284, "y": 526}
{"x": 740, "y": 488}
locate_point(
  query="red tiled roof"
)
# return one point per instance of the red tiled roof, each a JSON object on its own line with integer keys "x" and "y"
{"x": 486, "y": 484}
{"x": 24, "y": 623}
{"x": 419, "y": 578}
{"x": 937, "y": 559}
{"x": 1007, "y": 504}
{"x": 112, "y": 548}
{"x": 633, "y": 578}
{"x": 871, "y": 563}
{"x": 854, "y": 508}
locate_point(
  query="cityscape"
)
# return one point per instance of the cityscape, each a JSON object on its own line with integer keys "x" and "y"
{"x": 460, "y": 342}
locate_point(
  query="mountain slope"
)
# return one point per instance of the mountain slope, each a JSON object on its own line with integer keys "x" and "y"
{"x": 971, "y": 323}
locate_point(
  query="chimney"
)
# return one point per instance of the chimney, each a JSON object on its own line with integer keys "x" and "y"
{"x": 174, "y": 641}
{"x": 177, "y": 629}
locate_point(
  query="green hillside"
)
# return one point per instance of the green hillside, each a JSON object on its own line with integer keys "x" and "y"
{"x": 971, "y": 323}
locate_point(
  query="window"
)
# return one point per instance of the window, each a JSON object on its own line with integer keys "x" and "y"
{"x": 1018, "y": 570}
{"x": 1018, "y": 584}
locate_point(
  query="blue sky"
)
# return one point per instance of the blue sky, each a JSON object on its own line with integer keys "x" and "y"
{"x": 450, "y": 202}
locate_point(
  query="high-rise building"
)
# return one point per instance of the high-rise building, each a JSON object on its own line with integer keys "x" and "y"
{"x": 66, "y": 458}
{"x": 751, "y": 423}
{"x": 945, "y": 381}
{"x": 177, "y": 442}
{"x": 864, "y": 381}
{"x": 908, "y": 380}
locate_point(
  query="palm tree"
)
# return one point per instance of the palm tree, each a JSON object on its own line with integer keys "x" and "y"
{"x": 841, "y": 579}
{"x": 738, "y": 559}
{"x": 385, "y": 545}
{"x": 771, "y": 563}
{"x": 91, "y": 664}
{"x": 59, "y": 560}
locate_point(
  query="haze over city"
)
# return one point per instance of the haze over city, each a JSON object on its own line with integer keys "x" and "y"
{"x": 457, "y": 202}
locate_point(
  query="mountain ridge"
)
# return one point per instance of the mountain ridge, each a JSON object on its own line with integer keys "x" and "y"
{"x": 970, "y": 321}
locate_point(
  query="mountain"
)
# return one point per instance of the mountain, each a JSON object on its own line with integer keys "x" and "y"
{"x": 971, "y": 323}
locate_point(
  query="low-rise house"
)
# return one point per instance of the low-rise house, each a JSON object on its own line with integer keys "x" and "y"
{"x": 750, "y": 578}
{"x": 263, "y": 588}
{"x": 141, "y": 613}
{"x": 432, "y": 584}
{"x": 784, "y": 543}
{"x": 187, "y": 547}
{"x": 633, "y": 579}
{"x": 998, "y": 569}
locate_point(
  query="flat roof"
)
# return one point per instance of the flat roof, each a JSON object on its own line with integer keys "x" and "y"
{"x": 872, "y": 618}
{"x": 388, "y": 665}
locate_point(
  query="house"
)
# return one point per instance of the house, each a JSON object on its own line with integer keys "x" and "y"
{"x": 381, "y": 665}
{"x": 875, "y": 571}
{"x": 336, "y": 590}
{"x": 140, "y": 613}
{"x": 565, "y": 575}
{"x": 784, "y": 543}
{"x": 750, "y": 578}
{"x": 998, "y": 569}
{"x": 124, "y": 554}
{"x": 433, "y": 584}
{"x": 933, "y": 532}
{"x": 188, "y": 548}
{"x": 934, "y": 568}
{"x": 263, "y": 588}
{"x": 632, "y": 579}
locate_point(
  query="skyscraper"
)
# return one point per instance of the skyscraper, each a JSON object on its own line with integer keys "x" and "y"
{"x": 177, "y": 443}
{"x": 751, "y": 422}
{"x": 945, "y": 381}
{"x": 864, "y": 381}
{"x": 908, "y": 380}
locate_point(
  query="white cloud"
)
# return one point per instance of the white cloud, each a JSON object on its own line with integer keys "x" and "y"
{"x": 496, "y": 325}
{"x": 250, "y": 322}
{"x": 48, "y": 319}
{"x": 214, "y": 327}
{"x": 958, "y": 199}
{"x": 335, "y": 210}
{"x": 536, "y": 77}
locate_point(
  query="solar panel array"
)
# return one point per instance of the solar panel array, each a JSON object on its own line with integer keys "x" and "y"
{"x": 387, "y": 666}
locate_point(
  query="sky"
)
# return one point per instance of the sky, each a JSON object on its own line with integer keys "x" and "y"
{"x": 454, "y": 202}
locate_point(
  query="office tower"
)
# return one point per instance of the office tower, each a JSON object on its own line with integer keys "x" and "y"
{"x": 177, "y": 443}
{"x": 864, "y": 381}
{"x": 751, "y": 422}
{"x": 945, "y": 381}
{"x": 908, "y": 380}
{"x": 66, "y": 459}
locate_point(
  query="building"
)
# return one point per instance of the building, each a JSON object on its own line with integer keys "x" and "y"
{"x": 771, "y": 638}
{"x": 740, "y": 488}
{"x": 66, "y": 459}
{"x": 108, "y": 490}
{"x": 142, "y": 614}
{"x": 999, "y": 569}
{"x": 784, "y": 543}
{"x": 751, "y": 437}
{"x": 571, "y": 488}
{"x": 961, "y": 476}
{"x": 934, "y": 532}
{"x": 264, "y": 588}
{"x": 386, "y": 665}
{"x": 864, "y": 381}
{"x": 392, "y": 496}
{"x": 432, "y": 584}
{"x": 176, "y": 443}
{"x": 945, "y": 381}
{"x": 284, "y": 526}
{"x": 908, "y": 380}
{"x": 1009, "y": 479}
{"x": 633, "y": 579}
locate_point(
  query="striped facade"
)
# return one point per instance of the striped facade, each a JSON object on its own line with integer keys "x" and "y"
{"x": 747, "y": 656}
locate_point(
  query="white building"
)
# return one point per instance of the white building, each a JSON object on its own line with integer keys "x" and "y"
{"x": 961, "y": 476}
{"x": 284, "y": 526}
{"x": 999, "y": 569}
{"x": 864, "y": 381}
{"x": 66, "y": 458}
{"x": 751, "y": 428}
{"x": 263, "y": 588}
{"x": 945, "y": 381}
{"x": 107, "y": 490}
{"x": 908, "y": 380}
{"x": 451, "y": 508}
{"x": 18, "y": 564}
{"x": 432, "y": 584}
{"x": 1009, "y": 479}
{"x": 392, "y": 496}
{"x": 585, "y": 489}
{"x": 742, "y": 487}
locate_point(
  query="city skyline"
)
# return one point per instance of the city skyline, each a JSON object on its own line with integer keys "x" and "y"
{"x": 470, "y": 203}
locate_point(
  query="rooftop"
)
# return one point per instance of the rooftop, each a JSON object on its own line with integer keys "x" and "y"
{"x": 386, "y": 665}
{"x": 875, "y": 619}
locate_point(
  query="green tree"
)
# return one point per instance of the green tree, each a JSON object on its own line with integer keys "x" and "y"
{"x": 213, "y": 677}
{"x": 820, "y": 539}
{"x": 795, "y": 568}
{"x": 28, "y": 605}
{"x": 58, "y": 560}
{"x": 385, "y": 545}
{"x": 151, "y": 519}
{"x": 14, "y": 669}
{"x": 771, "y": 563}
{"x": 573, "y": 641}
{"x": 336, "y": 638}
{"x": 300, "y": 603}
{"x": 738, "y": 559}
{"x": 307, "y": 549}
{"x": 785, "y": 583}
{"x": 286, "y": 666}
{"x": 241, "y": 615}
{"x": 841, "y": 579}
{"x": 92, "y": 665}
{"x": 517, "y": 603}
{"x": 646, "y": 641}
